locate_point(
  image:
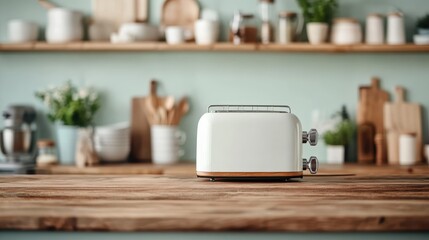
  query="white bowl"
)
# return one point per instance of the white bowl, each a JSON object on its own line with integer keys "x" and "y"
{"x": 112, "y": 154}
{"x": 421, "y": 39}
{"x": 139, "y": 31}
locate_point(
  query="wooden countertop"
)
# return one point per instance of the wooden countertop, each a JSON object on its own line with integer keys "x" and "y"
{"x": 351, "y": 198}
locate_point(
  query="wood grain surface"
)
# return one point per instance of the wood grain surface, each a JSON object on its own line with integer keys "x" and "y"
{"x": 354, "y": 198}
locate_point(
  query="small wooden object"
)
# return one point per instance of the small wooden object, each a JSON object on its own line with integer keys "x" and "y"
{"x": 402, "y": 117}
{"x": 370, "y": 113}
{"x": 182, "y": 13}
{"x": 116, "y": 12}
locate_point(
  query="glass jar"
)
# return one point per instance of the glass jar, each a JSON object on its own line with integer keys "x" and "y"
{"x": 243, "y": 29}
{"x": 46, "y": 153}
{"x": 267, "y": 30}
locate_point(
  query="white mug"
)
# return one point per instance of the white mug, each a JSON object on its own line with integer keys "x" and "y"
{"x": 175, "y": 35}
{"x": 206, "y": 32}
{"x": 166, "y": 142}
{"x": 21, "y": 31}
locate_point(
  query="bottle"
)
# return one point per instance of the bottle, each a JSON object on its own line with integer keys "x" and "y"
{"x": 267, "y": 31}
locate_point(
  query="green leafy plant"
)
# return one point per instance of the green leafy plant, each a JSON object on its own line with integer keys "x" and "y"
{"x": 341, "y": 135}
{"x": 423, "y": 22}
{"x": 318, "y": 10}
{"x": 70, "y": 105}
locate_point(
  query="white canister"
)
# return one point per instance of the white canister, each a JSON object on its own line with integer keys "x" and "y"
{"x": 175, "y": 35}
{"x": 21, "y": 31}
{"x": 395, "y": 28}
{"x": 346, "y": 31}
{"x": 407, "y": 149}
{"x": 289, "y": 27}
{"x": 166, "y": 141}
{"x": 206, "y": 32}
{"x": 64, "y": 26}
{"x": 374, "y": 29}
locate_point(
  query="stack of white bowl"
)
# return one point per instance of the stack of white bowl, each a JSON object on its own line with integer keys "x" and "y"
{"x": 112, "y": 142}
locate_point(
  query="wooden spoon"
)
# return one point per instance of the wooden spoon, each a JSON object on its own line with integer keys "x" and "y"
{"x": 182, "y": 108}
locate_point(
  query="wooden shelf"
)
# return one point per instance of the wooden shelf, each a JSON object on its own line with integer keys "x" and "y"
{"x": 221, "y": 47}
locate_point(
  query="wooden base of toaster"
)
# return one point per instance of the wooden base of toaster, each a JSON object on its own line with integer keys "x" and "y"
{"x": 250, "y": 174}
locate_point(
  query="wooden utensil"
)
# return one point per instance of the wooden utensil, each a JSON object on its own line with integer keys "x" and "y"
{"x": 370, "y": 112}
{"x": 182, "y": 13}
{"x": 401, "y": 117}
{"x": 182, "y": 109}
{"x": 116, "y": 12}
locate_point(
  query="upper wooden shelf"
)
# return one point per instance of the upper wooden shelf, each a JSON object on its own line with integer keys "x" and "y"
{"x": 161, "y": 46}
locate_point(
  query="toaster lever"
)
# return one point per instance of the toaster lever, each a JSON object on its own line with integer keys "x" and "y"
{"x": 312, "y": 164}
{"x": 312, "y": 136}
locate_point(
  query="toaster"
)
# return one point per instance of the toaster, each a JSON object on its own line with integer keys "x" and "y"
{"x": 252, "y": 141}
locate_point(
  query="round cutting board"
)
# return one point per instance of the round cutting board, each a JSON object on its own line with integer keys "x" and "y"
{"x": 182, "y": 13}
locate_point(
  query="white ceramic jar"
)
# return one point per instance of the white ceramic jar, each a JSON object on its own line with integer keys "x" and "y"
{"x": 206, "y": 32}
{"x": 346, "y": 31}
{"x": 21, "y": 31}
{"x": 407, "y": 149}
{"x": 63, "y": 26}
{"x": 395, "y": 28}
{"x": 374, "y": 33}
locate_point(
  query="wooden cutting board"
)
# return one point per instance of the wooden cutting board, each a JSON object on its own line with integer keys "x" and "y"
{"x": 182, "y": 13}
{"x": 140, "y": 127}
{"x": 116, "y": 12}
{"x": 402, "y": 117}
{"x": 370, "y": 122}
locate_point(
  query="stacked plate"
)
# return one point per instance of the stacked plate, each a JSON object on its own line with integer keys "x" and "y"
{"x": 112, "y": 142}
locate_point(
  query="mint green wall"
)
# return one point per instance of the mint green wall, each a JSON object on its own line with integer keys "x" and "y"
{"x": 303, "y": 81}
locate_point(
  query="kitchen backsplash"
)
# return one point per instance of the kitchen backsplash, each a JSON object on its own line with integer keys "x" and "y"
{"x": 304, "y": 81}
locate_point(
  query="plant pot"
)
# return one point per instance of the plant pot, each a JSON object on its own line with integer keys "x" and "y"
{"x": 335, "y": 154}
{"x": 67, "y": 139}
{"x": 317, "y": 32}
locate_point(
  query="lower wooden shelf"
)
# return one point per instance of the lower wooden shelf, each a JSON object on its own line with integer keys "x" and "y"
{"x": 220, "y": 47}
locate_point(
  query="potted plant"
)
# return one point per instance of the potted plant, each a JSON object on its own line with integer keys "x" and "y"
{"x": 423, "y": 25}
{"x": 72, "y": 109}
{"x": 337, "y": 132}
{"x": 317, "y": 15}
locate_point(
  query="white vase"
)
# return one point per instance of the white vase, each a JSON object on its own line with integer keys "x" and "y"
{"x": 335, "y": 154}
{"x": 317, "y": 32}
{"x": 67, "y": 138}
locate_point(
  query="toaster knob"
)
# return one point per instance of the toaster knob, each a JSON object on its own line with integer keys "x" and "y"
{"x": 312, "y": 165}
{"x": 311, "y": 137}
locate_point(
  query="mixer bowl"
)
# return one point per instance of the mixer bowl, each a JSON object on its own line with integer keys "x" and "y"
{"x": 17, "y": 144}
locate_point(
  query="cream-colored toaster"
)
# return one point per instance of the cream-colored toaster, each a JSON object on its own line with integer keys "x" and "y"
{"x": 252, "y": 141}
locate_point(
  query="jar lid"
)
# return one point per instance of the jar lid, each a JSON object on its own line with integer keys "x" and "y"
{"x": 350, "y": 20}
{"x": 247, "y": 15}
{"x": 399, "y": 14}
{"x": 45, "y": 143}
{"x": 375, "y": 15}
{"x": 286, "y": 14}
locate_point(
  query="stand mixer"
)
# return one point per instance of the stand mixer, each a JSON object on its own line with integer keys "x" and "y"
{"x": 18, "y": 139}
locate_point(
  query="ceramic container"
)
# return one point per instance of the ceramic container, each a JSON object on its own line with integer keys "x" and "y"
{"x": 335, "y": 154}
{"x": 175, "y": 35}
{"x": 22, "y": 31}
{"x": 139, "y": 31}
{"x": 166, "y": 142}
{"x": 395, "y": 28}
{"x": 374, "y": 31}
{"x": 346, "y": 31}
{"x": 407, "y": 149}
{"x": 64, "y": 26}
{"x": 317, "y": 32}
{"x": 67, "y": 139}
{"x": 206, "y": 32}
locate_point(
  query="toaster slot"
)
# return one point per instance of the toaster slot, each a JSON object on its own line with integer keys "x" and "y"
{"x": 249, "y": 108}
